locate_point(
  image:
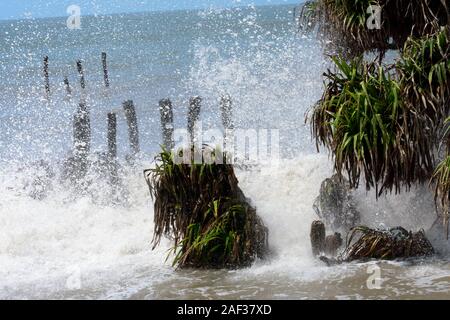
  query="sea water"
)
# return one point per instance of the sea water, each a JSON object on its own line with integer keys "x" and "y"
{"x": 66, "y": 246}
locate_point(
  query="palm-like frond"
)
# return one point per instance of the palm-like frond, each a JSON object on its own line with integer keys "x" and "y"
{"x": 201, "y": 208}
{"x": 344, "y": 22}
{"x": 384, "y": 122}
{"x": 366, "y": 243}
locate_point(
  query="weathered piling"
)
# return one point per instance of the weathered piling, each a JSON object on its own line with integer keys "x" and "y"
{"x": 81, "y": 73}
{"x": 112, "y": 152}
{"x": 133, "y": 132}
{"x": 67, "y": 86}
{"x": 105, "y": 70}
{"x": 166, "y": 111}
{"x": 46, "y": 77}
{"x": 112, "y": 135}
{"x": 82, "y": 131}
{"x": 226, "y": 109}
{"x": 317, "y": 237}
{"x": 76, "y": 165}
{"x": 193, "y": 115}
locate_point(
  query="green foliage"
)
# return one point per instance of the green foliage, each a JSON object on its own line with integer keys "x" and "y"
{"x": 201, "y": 208}
{"x": 343, "y": 22}
{"x": 308, "y": 16}
{"x": 384, "y": 121}
{"x": 441, "y": 181}
{"x": 441, "y": 177}
{"x": 425, "y": 71}
{"x": 350, "y": 13}
{"x": 357, "y": 118}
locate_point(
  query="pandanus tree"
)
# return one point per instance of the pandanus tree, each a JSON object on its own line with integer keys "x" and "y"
{"x": 200, "y": 206}
{"x": 347, "y": 24}
{"x": 385, "y": 122}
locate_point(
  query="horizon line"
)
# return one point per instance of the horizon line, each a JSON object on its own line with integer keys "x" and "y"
{"x": 152, "y": 11}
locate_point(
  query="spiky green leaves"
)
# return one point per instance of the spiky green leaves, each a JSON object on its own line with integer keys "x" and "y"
{"x": 441, "y": 178}
{"x": 344, "y": 22}
{"x": 425, "y": 72}
{"x": 383, "y": 123}
{"x": 201, "y": 208}
{"x": 357, "y": 119}
{"x": 441, "y": 181}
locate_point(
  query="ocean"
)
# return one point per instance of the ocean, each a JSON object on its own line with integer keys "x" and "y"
{"x": 89, "y": 247}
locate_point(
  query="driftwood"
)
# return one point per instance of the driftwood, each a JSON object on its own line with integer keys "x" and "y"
{"x": 364, "y": 243}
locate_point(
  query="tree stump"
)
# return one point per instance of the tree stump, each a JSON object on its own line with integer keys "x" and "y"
{"x": 317, "y": 237}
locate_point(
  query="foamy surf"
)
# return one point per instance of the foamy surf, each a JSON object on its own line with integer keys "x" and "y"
{"x": 69, "y": 245}
{"x": 56, "y": 248}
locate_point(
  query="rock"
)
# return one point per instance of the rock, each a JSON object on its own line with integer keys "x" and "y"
{"x": 438, "y": 235}
{"x": 335, "y": 206}
{"x": 329, "y": 261}
{"x": 420, "y": 245}
{"x": 332, "y": 244}
{"x": 317, "y": 237}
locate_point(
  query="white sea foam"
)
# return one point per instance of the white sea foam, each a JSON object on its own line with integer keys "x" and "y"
{"x": 78, "y": 249}
{"x": 84, "y": 247}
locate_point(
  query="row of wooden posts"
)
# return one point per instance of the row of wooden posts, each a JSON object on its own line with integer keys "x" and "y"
{"x": 82, "y": 129}
{"x": 82, "y": 124}
{"x": 80, "y": 71}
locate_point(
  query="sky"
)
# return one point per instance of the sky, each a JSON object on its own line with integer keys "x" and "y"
{"x": 19, "y": 9}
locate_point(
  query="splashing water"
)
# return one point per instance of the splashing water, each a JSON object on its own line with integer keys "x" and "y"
{"x": 57, "y": 245}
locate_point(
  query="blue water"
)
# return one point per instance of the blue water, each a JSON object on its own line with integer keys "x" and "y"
{"x": 253, "y": 54}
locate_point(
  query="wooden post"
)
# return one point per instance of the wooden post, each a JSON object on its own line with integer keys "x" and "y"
{"x": 133, "y": 132}
{"x": 67, "y": 86}
{"x": 112, "y": 152}
{"x": 81, "y": 73}
{"x": 82, "y": 131}
{"x": 105, "y": 70}
{"x": 226, "y": 108}
{"x": 112, "y": 135}
{"x": 193, "y": 115}
{"x": 46, "y": 77}
{"x": 317, "y": 237}
{"x": 166, "y": 111}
